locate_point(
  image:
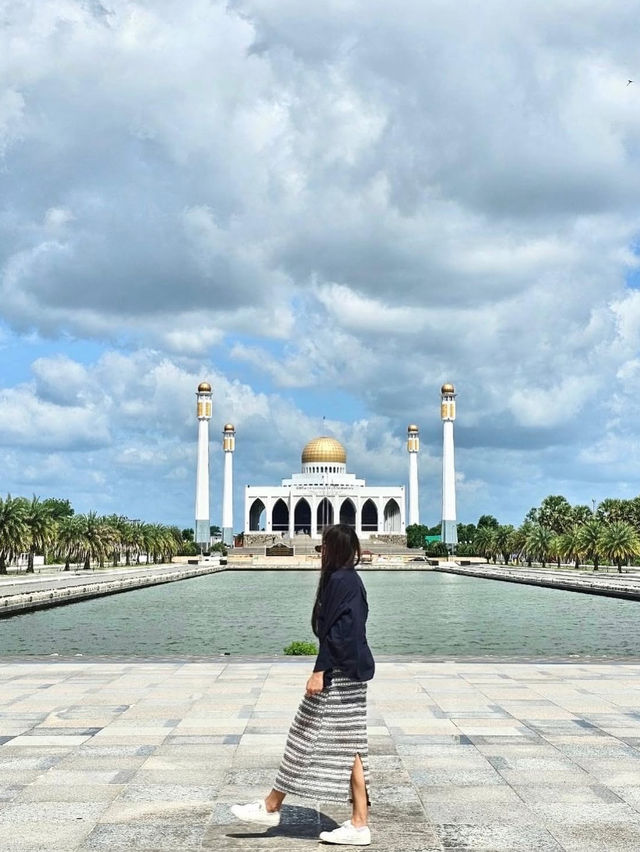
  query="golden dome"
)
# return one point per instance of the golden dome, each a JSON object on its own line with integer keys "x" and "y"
{"x": 204, "y": 387}
{"x": 412, "y": 428}
{"x": 447, "y": 388}
{"x": 229, "y": 427}
{"x": 324, "y": 449}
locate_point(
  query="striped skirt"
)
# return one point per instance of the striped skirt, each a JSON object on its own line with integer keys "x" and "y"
{"x": 327, "y": 732}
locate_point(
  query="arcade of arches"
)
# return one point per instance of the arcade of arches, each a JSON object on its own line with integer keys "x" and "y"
{"x": 324, "y": 493}
{"x": 309, "y": 515}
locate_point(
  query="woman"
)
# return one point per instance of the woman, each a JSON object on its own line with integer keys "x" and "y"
{"x": 326, "y": 755}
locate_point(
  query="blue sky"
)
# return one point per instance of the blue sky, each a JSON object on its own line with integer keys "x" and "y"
{"x": 327, "y": 211}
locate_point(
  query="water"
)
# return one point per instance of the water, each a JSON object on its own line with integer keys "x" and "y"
{"x": 260, "y": 612}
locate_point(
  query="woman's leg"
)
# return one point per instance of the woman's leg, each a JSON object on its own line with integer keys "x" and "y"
{"x": 359, "y": 793}
{"x": 274, "y": 800}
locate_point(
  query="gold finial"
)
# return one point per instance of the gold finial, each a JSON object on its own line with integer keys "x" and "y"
{"x": 447, "y": 388}
{"x": 204, "y": 387}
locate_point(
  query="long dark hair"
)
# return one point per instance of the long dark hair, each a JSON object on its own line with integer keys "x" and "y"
{"x": 340, "y": 549}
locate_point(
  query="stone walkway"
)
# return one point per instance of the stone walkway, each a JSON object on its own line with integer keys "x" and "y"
{"x": 606, "y": 582}
{"x": 23, "y": 593}
{"x": 502, "y": 756}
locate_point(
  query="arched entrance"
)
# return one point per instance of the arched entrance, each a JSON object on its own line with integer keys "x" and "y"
{"x": 324, "y": 514}
{"x": 302, "y": 517}
{"x": 257, "y": 516}
{"x": 280, "y": 516}
{"x": 348, "y": 513}
{"x": 392, "y": 517}
{"x": 369, "y": 517}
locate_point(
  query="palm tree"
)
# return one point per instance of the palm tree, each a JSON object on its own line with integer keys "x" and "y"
{"x": 519, "y": 542}
{"x": 484, "y": 542}
{"x": 634, "y": 513}
{"x": 174, "y": 542}
{"x": 96, "y": 538}
{"x": 620, "y": 542}
{"x": 591, "y": 541}
{"x": 571, "y": 544}
{"x": 149, "y": 536}
{"x": 580, "y": 515}
{"x": 130, "y": 541}
{"x": 118, "y": 525}
{"x": 555, "y": 550}
{"x": 555, "y": 513}
{"x": 42, "y": 528}
{"x": 14, "y": 532}
{"x": 538, "y": 543}
{"x": 504, "y": 537}
{"x": 109, "y": 535}
{"x": 613, "y": 509}
{"x": 70, "y": 539}
{"x": 168, "y": 541}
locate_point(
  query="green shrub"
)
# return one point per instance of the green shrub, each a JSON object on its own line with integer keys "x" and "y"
{"x": 466, "y": 550}
{"x": 189, "y": 548}
{"x": 301, "y": 649}
{"x": 436, "y": 548}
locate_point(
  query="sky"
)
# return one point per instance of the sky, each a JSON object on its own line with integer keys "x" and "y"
{"x": 326, "y": 211}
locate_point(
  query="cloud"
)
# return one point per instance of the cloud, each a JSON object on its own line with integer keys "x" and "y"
{"x": 327, "y": 202}
{"x": 26, "y": 421}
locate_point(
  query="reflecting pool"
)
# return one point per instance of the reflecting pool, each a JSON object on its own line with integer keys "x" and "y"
{"x": 243, "y": 612}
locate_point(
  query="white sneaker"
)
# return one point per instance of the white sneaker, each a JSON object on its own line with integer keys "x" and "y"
{"x": 256, "y": 812}
{"x": 347, "y": 835}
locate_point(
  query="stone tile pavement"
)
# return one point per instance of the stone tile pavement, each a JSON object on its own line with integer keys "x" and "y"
{"x": 485, "y": 755}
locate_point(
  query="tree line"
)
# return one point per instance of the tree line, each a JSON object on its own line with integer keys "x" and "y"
{"x": 52, "y": 528}
{"x": 554, "y": 531}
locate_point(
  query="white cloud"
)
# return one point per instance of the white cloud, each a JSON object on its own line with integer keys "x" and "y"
{"x": 329, "y": 199}
{"x": 62, "y": 381}
{"x": 26, "y": 421}
{"x": 353, "y": 311}
{"x": 55, "y": 218}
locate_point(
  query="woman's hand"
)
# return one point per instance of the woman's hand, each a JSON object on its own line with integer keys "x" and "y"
{"x": 315, "y": 684}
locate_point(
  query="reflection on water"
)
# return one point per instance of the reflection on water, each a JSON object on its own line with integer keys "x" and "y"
{"x": 260, "y": 612}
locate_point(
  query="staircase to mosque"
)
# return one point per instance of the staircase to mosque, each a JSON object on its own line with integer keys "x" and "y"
{"x": 304, "y": 545}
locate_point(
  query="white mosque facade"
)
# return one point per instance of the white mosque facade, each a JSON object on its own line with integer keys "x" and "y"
{"x": 321, "y": 495}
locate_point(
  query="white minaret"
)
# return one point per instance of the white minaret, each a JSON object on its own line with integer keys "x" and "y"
{"x": 449, "y": 531}
{"x": 413, "y": 446}
{"x": 228, "y": 445}
{"x": 203, "y": 534}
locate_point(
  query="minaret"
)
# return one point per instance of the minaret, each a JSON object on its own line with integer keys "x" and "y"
{"x": 413, "y": 446}
{"x": 228, "y": 445}
{"x": 449, "y": 530}
{"x": 203, "y": 534}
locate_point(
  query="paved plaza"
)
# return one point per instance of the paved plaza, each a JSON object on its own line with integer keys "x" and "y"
{"x": 502, "y": 756}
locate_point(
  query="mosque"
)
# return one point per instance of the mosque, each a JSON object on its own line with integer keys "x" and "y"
{"x": 321, "y": 495}
{"x": 324, "y": 493}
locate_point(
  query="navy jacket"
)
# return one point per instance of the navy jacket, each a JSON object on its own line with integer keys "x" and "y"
{"x": 342, "y": 620}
